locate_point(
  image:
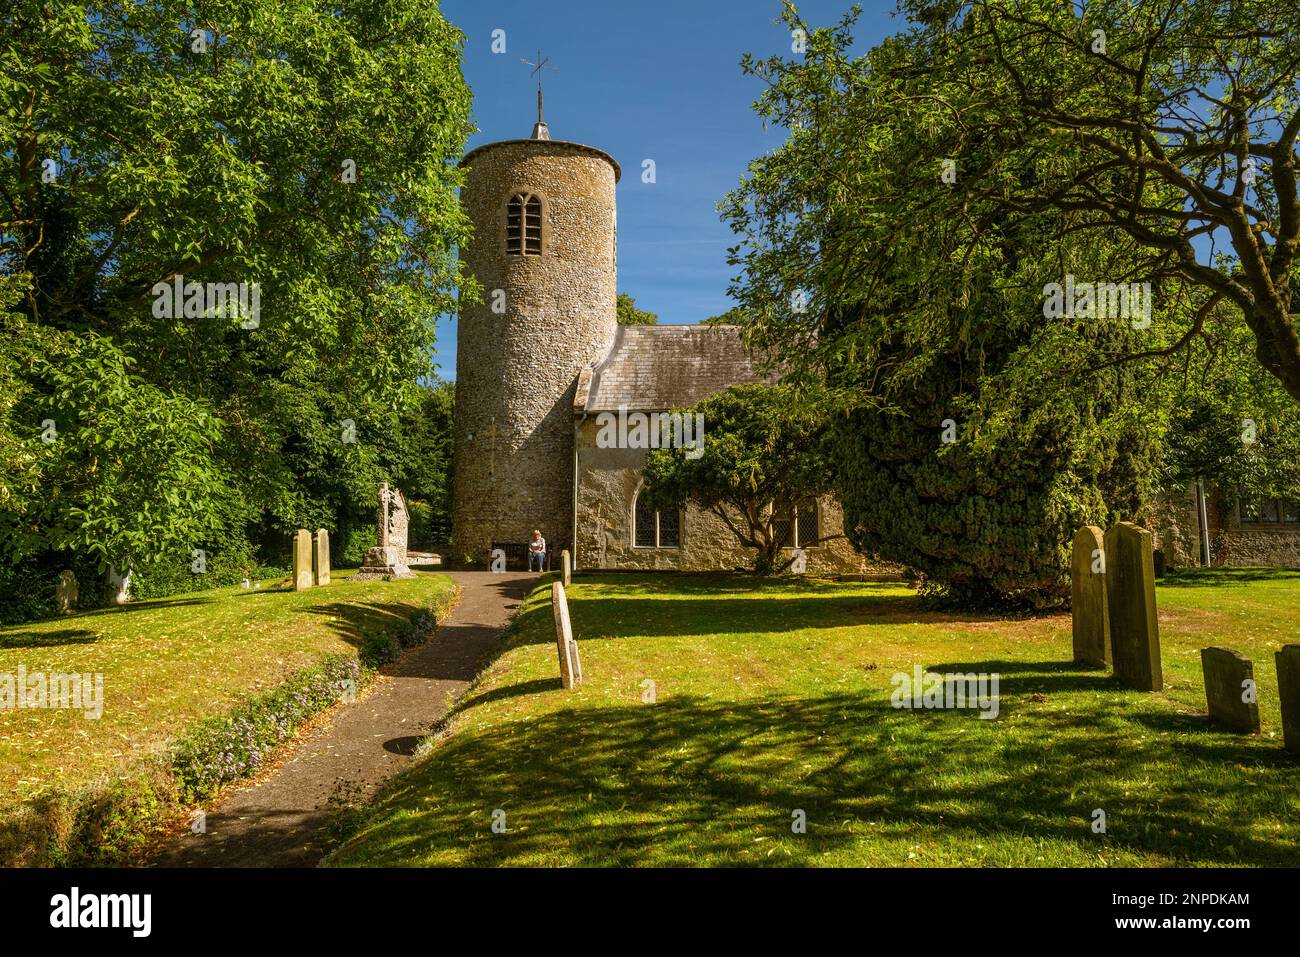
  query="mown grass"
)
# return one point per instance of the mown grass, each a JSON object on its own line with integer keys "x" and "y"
{"x": 775, "y": 698}
{"x": 171, "y": 662}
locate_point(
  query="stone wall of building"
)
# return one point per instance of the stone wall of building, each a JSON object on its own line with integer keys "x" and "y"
{"x": 1175, "y": 524}
{"x": 608, "y": 481}
{"x": 1235, "y": 544}
{"x": 515, "y": 371}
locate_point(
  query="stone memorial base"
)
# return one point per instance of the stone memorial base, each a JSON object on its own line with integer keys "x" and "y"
{"x": 385, "y": 561}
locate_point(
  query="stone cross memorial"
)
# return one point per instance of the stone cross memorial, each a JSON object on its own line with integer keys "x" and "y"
{"x": 320, "y": 557}
{"x": 1091, "y": 617}
{"x": 388, "y": 558}
{"x": 1288, "y": 690}
{"x": 1131, "y": 600}
{"x": 302, "y": 575}
{"x": 570, "y": 666}
{"x": 1230, "y": 689}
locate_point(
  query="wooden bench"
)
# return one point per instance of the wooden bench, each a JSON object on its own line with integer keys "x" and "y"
{"x": 517, "y": 554}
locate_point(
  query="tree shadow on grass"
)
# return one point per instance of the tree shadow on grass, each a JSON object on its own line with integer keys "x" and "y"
{"x": 43, "y": 639}
{"x": 1033, "y": 677}
{"x": 1221, "y": 577}
{"x": 146, "y": 604}
{"x": 504, "y": 692}
{"x": 599, "y": 616}
{"x": 712, "y": 583}
{"x": 357, "y": 622}
{"x": 690, "y": 780}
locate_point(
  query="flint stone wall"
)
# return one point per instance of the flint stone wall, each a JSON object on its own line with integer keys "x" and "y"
{"x": 608, "y": 480}
{"x": 516, "y": 372}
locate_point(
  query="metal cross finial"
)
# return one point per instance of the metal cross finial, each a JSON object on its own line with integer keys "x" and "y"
{"x": 537, "y": 68}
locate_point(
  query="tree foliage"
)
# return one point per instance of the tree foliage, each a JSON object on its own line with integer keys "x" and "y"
{"x": 764, "y": 446}
{"x": 975, "y": 432}
{"x": 734, "y": 316}
{"x": 630, "y": 315}
{"x": 303, "y": 147}
{"x": 1165, "y": 129}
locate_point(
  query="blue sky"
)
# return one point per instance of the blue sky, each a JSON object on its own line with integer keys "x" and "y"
{"x": 657, "y": 81}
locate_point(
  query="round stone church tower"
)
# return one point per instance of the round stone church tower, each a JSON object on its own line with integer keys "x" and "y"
{"x": 543, "y": 251}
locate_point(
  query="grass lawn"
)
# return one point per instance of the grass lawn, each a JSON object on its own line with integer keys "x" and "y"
{"x": 171, "y": 662}
{"x": 776, "y": 698}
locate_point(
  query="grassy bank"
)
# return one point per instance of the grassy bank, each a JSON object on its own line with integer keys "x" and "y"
{"x": 168, "y": 666}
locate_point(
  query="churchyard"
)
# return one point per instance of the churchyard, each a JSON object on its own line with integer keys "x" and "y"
{"x": 691, "y": 719}
{"x": 835, "y": 627}
{"x": 721, "y": 720}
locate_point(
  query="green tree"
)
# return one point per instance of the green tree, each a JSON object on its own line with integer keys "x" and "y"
{"x": 630, "y": 315}
{"x": 974, "y": 433}
{"x": 302, "y": 148}
{"x": 1170, "y": 126}
{"x": 421, "y": 464}
{"x": 1231, "y": 423}
{"x": 764, "y": 446}
{"x": 735, "y": 316}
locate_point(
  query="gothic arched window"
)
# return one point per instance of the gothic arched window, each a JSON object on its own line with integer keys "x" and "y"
{"x": 524, "y": 225}
{"x": 655, "y": 529}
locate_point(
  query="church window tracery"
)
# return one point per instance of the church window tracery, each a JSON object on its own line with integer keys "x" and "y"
{"x": 524, "y": 225}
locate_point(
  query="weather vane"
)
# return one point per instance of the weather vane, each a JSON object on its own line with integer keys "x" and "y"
{"x": 537, "y": 68}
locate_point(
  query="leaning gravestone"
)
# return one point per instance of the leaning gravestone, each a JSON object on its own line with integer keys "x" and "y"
{"x": 1131, "y": 600}
{"x": 66, "y": 591}
{"x": 1230, "y": 689}
{"x": 566, "y": 568}
{"x": 320, "y": 557}
{"x": 1288, "y": 690}
{"x": 570, "y": 669}
{"x": 1091, "y": 617}
{"x": 302, "y": 576}
{"x": 388, "y": 558}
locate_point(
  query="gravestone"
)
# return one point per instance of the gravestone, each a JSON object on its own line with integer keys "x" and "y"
{"x": 1230, "y": 689}
{"x": 1131, "y": 600}
{"x": 575, "y": 662}
{"x": 302, "y": 575}
{"x": 566, "y": 568}
{"x": 388, "y": 558}
{"x": 1288, "y": 690}
{"x": 66, "y": 591}
{"x": 570, "y": 669}
{"x": 1091, "y": 617}
{"x": 320, "y": 557}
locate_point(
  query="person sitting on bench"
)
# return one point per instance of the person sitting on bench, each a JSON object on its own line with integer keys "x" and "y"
{"x": 537, "y": 551}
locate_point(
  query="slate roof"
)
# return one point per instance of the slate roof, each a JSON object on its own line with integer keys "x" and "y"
{"x": 667, "y": 367}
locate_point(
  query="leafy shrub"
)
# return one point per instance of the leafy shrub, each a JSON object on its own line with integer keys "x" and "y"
{"x": 28, "y": 593}
{"x": 173, "y": 575}
{"x": 381, "y": 647}
{"x": 27, "y": 587}
{"x": 420, "y": 532}
{"x": 353, "y": 545}
{"x": 236, "y": 745}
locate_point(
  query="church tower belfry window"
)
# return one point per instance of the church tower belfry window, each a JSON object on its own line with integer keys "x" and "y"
{"x": 524, "y": 225}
